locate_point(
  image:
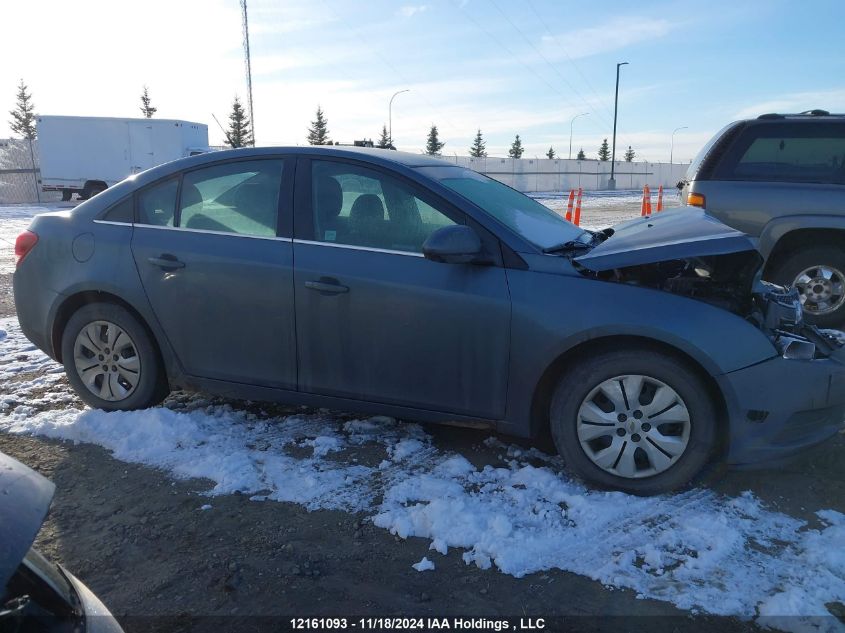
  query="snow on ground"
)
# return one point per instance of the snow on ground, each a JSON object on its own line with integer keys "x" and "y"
{"x": 698, "y": 550}
{"x": 14, "y": 219}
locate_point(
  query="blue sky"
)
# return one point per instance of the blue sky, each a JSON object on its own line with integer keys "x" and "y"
{"x": 507, "y": 67}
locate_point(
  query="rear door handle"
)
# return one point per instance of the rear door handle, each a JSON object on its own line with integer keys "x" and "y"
{"x": 327, "y": 286}
{"x": 166, "y": 262}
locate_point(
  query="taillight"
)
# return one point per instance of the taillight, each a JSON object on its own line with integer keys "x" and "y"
{"x": 695, "y": 200}
{"x": 26, "y": 242}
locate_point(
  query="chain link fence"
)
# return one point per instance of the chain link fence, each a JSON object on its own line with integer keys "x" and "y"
{"x": 19, "y": 175}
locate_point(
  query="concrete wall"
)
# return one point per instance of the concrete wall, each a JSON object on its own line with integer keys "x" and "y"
{"x": 543, "y": 174}
{"x": 525, "y": 174}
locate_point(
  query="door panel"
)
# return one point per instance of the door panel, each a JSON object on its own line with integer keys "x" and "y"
{"x": 222, "y": 285}
{"x": 375, "y": 320}
{"x": 228, "y": 310}
{"x": 406, "y": 331}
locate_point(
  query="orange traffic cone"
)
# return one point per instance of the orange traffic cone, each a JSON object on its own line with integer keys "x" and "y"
{"x": 578, "y": 208}
{"x": 569, "y": 206}
{"x": 660, "y": 199}
{"x": 645, "y": 209}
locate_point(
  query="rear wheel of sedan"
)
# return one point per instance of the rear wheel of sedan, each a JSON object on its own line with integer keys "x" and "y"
{"x": 819, "y": 276}
{"x": 636, "y": 420}
{"x": 111, "y": 360}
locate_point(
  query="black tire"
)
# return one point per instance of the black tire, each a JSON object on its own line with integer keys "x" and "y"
{"x": 786, "y": 271}
{"x": 151, "y": 387}
{"x": 91, "y": 189}
{"x": 66, "y": 195}
{"x": 576, "y": 384}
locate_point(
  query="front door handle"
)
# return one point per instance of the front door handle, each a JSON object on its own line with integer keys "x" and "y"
{"x": 327, "y": 286}
{"x": 166, "y": 262}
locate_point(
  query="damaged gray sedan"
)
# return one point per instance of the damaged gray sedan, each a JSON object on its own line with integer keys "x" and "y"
{"x": 398, "y": 284}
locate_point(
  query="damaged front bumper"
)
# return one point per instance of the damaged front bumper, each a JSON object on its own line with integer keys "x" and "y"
{"x": 781, "y": 406}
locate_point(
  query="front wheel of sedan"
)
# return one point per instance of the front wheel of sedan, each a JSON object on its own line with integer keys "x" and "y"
{"x": 637, "y": 420}
{"x": 110, "y": 359}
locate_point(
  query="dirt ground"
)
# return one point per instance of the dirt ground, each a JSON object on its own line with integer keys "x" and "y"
{"x": 138, "y": 539}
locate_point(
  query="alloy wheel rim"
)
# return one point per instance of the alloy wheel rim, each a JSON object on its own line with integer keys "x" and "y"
{"x": 633, "y": 426}
{"x": 107, "y": 360}
{"x": 821, "y": 289}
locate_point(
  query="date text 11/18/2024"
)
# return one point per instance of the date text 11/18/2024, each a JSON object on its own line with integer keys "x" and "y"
{"x": 416, "y": 624}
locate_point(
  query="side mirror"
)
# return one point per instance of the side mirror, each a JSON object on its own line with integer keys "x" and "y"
{"x": 456, "y": 244}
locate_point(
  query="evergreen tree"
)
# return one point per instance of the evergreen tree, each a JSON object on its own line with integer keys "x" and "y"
{"x": 581, "y": 155}
{"x": 146, "y": 109}
{"x": 433, "y": 144}
{"x": 516, "y": 149}
{"x": 478, "y": 149}
{"x": 384, "y": 141}
{"x": 604, "y": 151}
{"x": 551, "y": 153}
{"x": 629, "y": 155}
{"x": 318, "y": 133}
{"x": 240, "y": 132}
{"x": 23, "y": 116}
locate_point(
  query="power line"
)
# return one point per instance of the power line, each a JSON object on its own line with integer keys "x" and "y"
{"x": 384, "y": 61}
{"x": 600, "y": 101}
{"x": 511, "y": 53}
{"x": 545, "y": 59}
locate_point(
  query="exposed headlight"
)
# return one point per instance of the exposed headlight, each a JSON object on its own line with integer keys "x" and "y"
{"x": 781, "y": 306}
{"x": 796, "y": 348}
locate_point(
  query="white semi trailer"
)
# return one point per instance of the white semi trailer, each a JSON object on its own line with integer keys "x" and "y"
{"x": 86, "y": 155}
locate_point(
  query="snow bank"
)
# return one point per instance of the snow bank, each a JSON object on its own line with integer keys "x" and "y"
{"x": 698, "y": 550}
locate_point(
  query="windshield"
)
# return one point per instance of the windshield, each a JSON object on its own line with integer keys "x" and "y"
{"x": 535, "y": 222}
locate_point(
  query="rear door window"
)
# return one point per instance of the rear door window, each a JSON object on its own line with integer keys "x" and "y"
{"x": 157, "y": 203}
{"x": 772, "y": 152}
{"x": 240, "y": 197}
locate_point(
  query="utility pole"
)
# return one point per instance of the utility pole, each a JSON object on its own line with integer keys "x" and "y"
{"x": 390, "y": 116}
{"x": 248, "y": 70}
{"x": 611, "y": 184}
{"x": 672, "y": 147}
{"x": 570, "y": 130}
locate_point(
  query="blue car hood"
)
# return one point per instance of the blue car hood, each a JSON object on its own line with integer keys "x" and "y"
{"x": 672, "y": 234}
{"x": 24, "y": 500}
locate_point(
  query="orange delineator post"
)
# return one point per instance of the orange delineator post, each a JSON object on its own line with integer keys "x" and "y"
{"x": 660, "y": 199}
{"x": 645, "y": 209}
{"x": 578, "y": 208}
{"x": 569, "y": 206}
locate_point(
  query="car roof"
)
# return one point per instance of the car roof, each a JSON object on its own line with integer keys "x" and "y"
{"x": 371, "y": 154}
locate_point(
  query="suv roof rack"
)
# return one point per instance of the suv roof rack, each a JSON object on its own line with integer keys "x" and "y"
{"x": 806, "y": 113}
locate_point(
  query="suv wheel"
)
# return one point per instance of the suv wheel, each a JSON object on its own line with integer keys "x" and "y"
{"x": 637, "y": 420}
{"x": 819, "y": 276}
{"x": 110, "y": 359}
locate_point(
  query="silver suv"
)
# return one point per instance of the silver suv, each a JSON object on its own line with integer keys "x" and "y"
{"x": 781, "y": 178}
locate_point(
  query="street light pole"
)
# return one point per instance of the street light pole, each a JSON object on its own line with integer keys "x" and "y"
{"x": 390, "y": 114}
{"x": 570, "y": 130}
{"x": 672, "y": 147}
{"x": 611, "y": 184}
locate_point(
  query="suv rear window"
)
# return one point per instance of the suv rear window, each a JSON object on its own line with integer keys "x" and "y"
{"x": 787, "y": 152}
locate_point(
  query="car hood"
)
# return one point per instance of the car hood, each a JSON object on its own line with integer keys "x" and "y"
{"x": 672, "y": 234}
{"x": 24, "y": 500}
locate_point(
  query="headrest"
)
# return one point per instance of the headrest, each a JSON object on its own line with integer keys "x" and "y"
{"x": 328, "y": 199}
{"x": 367, "y": 207}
